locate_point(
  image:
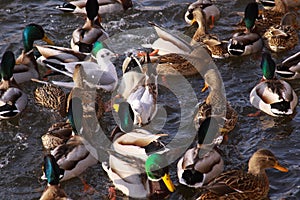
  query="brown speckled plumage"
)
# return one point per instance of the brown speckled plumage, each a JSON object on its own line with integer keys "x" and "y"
{"x": 237, "y": 184}
{"x": 51, "y": 96}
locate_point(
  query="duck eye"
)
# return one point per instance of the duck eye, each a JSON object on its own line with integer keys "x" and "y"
{"x": 102, "y": 56}
{"x": 107, "y": 53}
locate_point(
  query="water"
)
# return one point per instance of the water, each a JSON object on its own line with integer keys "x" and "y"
{"x": 21, "y": 152}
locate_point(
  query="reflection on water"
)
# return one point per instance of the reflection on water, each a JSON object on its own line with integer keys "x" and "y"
{"x": 20, "y": 146}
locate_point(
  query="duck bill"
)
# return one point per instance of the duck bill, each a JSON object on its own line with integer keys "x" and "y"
{"x": 168, "y": 182}
{"x": 116, "y": 107}
{"x": 204, "y": 88}
{"x": 46, "y": 39}
{"x": 280, "y": 168}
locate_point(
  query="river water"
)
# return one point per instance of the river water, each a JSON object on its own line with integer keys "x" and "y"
{"x": 21, "y": 153}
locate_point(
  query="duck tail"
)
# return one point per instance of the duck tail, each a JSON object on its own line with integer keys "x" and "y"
{"x": 66, "y": 7}
{"x": 8, "y": 111}
{"x": 235, "y": 48}
{"x": 281, "y": 108}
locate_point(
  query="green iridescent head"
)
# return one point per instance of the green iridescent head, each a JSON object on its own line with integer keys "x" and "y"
{"x": 268, "y": 66}
{"x": 52, "y": 171}
{"x": 126, "y": 116}
{"x": 75, "y": 112}
{"x": 208, "y": 130}
{"x": 156, "y": 167}
{"x": 251, "y": 14}
{"x": 7, "y": 65}
{"x": 31, "y": 33}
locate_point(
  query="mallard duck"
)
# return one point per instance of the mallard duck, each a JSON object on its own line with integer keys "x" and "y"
{"x": 284, "y": 36}
{"x": 58, "y": 54}
{"x": 216, "y": 104}
{"x": 212, "y": 12}
{"x": 107, "y": 6}
{"x": 170, "y": 49}
{"x": 270, "y": 17}
{"x": 101, "y": 74}
{"x": 247, "y": 42}
{"x": 76, "y": 155}
{"x": 141, "y": 96}
{"x": 129, "y": 176}
{"x": 216, "y": 47}
{"x": 237, "y": 184}
{"x": 53, "y": 175}
{"x": 13, "y": 100}
{"x": 272, "y": 96}
{"x": 290, "y": 67}
{"x": 26, "y": 65}
{"x": 60, "y": 132}
{"x": 83, "y": 38}
{"x": 203, "y": 162}
{"x": 53, "y": 97}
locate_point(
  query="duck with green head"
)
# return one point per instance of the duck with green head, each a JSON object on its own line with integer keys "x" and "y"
{"x": 26, "y": 65}
{"x": 13, "y": 100}
{"x": 60, "y": 132}
{"x": 83, "y": 38}
{"x": 53, "y": 175}
{"x": 247, "y": 42}
{"x": 203, "y": 162}
{"x": 128, "y": 145}
{"x": 272, "y": 96}
{"x": 76, "y": 155}
{"x": 143, "y": 178}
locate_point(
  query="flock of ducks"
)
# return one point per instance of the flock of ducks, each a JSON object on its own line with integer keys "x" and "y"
{"x": 137, "y": 164}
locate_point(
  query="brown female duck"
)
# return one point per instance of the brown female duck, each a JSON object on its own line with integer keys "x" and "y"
{"x": 237, "y": 184}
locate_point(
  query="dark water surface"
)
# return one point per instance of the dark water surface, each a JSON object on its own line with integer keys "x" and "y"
{"x": 21, "y": 153}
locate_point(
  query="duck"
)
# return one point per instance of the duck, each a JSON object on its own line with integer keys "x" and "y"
{"x": 108, "y": 6}
{"x": 215, "y": 104}
{"x": 212, "y": 12}
{"x": 13, "y": 100}
{"x": 247, "y": 42}
{"x": 170, "y": 51}
{"x": 289, "y": 68}
{"x": 238, "y": 184}
{"x": 273, "y": 96}
{"x": 77, "y": 154}
{"x": 131, "y": 177}
{"x": 51, "y": 96}
{"x": 84, "y": 37}
{"x": 267, "y": 4}
{"x": 284, "y": 36}
{"x": 57, "y": 54}
{"x": 203, "y": 162}
{"x": 142, "y": 96}
{"x": 216, "y": 48}
{"x": 26, "y": 66}
{"x": 53, "y": 174}
{"x": 60, "y": 132}
{"x": 100, "y": 71}
{"x": 270, "y": 17}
